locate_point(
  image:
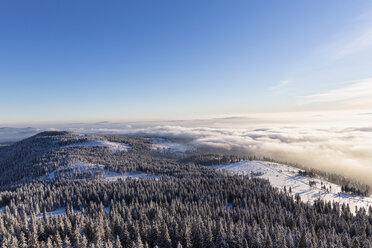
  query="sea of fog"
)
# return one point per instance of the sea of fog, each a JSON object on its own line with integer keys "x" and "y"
{"x": 338, "y": 142}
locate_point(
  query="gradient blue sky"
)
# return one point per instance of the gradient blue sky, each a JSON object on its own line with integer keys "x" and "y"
{"x": 127, "y": 60}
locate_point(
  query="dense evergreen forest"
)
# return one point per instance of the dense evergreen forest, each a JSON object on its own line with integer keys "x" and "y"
{"x": 186, "y": 205}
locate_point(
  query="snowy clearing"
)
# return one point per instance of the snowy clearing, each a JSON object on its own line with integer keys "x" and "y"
{"x": 165, "y": 145}
{"x": 56, "y": 212}
{"x": 113, "y": 146}
{"x": 113, "y": 176}
{"x": 93, "y": 169}
{"x": 281, "y": 176}
{"x": 59, "y": 211}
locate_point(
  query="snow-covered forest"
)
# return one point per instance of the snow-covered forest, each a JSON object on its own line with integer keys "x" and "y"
{"x": 62, "y": 189}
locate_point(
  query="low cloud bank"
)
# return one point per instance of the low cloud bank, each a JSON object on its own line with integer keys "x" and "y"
{"x": 345, "y": 150}
{"x": 8, "y": 134}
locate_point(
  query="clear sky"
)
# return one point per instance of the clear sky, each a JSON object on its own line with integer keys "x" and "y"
{"x": 125, "y": 60}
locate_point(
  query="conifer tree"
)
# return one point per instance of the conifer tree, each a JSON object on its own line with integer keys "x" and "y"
{"x": 118, "y": 243}
{"x": 22, "y": 241}
{"x": 58, "y": 241}
{"x": 138, "y": 243}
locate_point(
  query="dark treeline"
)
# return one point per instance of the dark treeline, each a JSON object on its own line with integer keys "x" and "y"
{"x": 350, "y": 186}
{"x": 213, "y": 159}
{"x": 361, "y": 188}
{"x": 188, "y": 206}
{"x": 306, "y": 173}
{"x": 355, "y": 190}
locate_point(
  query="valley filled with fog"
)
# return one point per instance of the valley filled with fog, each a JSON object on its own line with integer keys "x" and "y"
{"x": 337, "y": 142}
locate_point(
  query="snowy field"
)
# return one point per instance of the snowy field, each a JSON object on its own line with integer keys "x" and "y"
{"x": 113, "y": 146}
{"x": 62, "y": 211}
{"x": 281, "y": 176}
{"x": 113, "y": 176}
{"x": 84, "y": 168}
{"x": 56, "y": 212}
{"x": 59, "y": 211}
{"x": 165, "y": 145}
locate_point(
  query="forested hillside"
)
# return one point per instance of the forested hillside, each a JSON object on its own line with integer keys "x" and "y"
{"x": 186, "y": 205}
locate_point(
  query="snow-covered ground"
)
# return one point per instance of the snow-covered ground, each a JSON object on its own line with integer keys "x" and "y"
{"x": 84, "y": 168}
{"x": 56, "y": 212}
{"x": 113, "y": 176}
{"x": 59, "y": 211}
{"x": 165, "y": 145}
{"x": 281, "y": 176}
{"x": 113, "y": 146}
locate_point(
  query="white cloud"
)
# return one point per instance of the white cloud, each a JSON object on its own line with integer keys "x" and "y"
{"x": 8, "y": 134}
{"x": 281, "y": 84}
{"x": 361, "y": 43}
{"x": 313, "y": 139}
{"x": 357, "y": 94}
{"x": 345, "y": 151}
{"x": 333, "y": 150}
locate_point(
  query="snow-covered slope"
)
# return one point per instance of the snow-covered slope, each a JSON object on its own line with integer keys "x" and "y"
{"x": 113, "y": 146}
{"x": 113, "y": 176}
{"x": 59, "y": 211}
{"x": 281, "y": 176}
{"x": 165, "y": 145}
{"x": 98, "y": 170}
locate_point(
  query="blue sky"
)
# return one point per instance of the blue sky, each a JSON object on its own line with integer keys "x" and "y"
{"x": 135, "y": 60}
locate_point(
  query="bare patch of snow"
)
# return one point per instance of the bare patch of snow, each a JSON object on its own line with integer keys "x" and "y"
{"x": 57, "y": 212}
{"x": 136, "y": 175}
{"x": 60, "y": 211}
{"x": 281, "y": 176}
{"x": 107, "y": 209}
{"x": 85, "y": 168}
{"x": 75, "y": 167}
{"x": 165, "y": 145}
{"x": 229, "y": 206}
{"x": 113, "y": 146}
